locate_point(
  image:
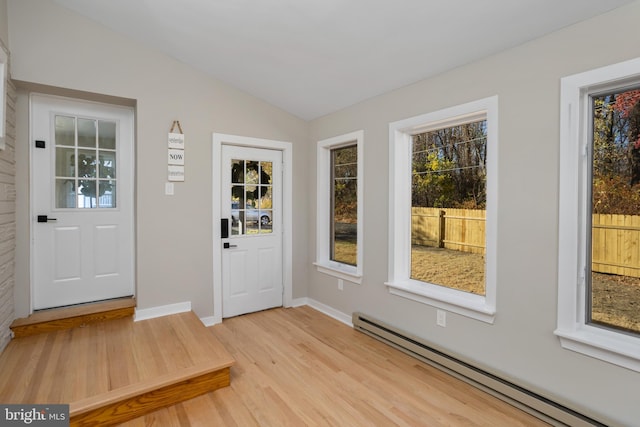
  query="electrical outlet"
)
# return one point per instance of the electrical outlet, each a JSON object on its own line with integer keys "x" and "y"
{"x": 441, "y": 319}
{"x": 168, "y": 188}
{"x": 340, "y": 284}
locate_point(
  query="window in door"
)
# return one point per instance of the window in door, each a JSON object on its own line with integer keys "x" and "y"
{"x": 85, "y": 163}
{"x": 251, "y": 197}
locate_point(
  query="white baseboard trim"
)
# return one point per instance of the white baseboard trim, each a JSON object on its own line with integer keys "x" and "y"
{"x": 181, "y": 307}
{"x": 163, "y": 310}
{"x": 210, "y": 320}
{"x": 323, "y": 308}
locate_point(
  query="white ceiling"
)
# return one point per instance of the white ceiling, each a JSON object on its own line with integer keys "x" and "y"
{"x": 313, "y": 57}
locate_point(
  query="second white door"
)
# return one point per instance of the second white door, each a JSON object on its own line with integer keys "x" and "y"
{"x": 251, "y": 203}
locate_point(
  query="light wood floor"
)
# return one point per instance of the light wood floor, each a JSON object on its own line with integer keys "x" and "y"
{"x": 88, "y": 365}
{"x": 297, "y": 367}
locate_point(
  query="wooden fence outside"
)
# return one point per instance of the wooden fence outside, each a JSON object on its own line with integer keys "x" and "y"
{"x": 615, "y": 238}
{"x": 616, "y": 244}
{"x": 456, "y": 229}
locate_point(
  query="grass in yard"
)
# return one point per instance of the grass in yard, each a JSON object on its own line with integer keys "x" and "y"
{"x": 454, "y": 269}
{"x": 345, "y": 251}
{"x": 615, "y": 299}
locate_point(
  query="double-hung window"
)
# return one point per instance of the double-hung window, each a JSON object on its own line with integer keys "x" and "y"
{"x": 599, "y": 241}
{"x": 442, "y": 218}
{"x": 339, "y": 207}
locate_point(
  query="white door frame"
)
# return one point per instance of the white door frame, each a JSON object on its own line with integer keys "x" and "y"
{"x": 287, "y": 212}
{"x": 130, "y": 151}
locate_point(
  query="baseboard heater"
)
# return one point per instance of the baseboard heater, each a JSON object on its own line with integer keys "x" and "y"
{"x": 528, "y": 401}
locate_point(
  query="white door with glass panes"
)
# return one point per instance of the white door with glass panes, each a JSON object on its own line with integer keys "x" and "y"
{"x": 251, "y": 204}
{"x": 82, "y": 201}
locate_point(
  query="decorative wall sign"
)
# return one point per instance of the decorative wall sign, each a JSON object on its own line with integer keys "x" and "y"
{"x": 175, "y": 155}
{"x": 176, "y": 173}
{"x": 176, "y": 140}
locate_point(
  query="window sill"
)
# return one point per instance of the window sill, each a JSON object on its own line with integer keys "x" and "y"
{"x": 459, "y": 302}
{"x": 613, "y": 347}
{"x": 341, "y": 271}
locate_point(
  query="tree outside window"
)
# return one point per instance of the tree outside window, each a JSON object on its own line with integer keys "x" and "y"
{"x": 344, "y": 224}
{"x": 448, "y": 199}
{"x": 614, "y": 285}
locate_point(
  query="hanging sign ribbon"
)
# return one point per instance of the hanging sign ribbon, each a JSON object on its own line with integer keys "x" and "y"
{"x": 176, "y": 140}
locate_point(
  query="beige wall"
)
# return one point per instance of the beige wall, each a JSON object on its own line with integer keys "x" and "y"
{"x": 4, "y": 22}
{"x": 521, "y": 344}
{"x": 53, "y": 46}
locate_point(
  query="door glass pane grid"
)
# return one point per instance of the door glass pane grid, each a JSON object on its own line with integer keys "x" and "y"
{"x": 85, "y": 163}
{"x": 251, "y": 197}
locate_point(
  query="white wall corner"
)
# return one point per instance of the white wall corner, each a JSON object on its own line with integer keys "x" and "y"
{"x": 299, "y": 302}
{"x": 163, "y": 310}
{"x": 329, "y": 311}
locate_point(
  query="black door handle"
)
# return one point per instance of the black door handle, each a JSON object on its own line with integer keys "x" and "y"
{"x": 227, "y": 245}
{"x": 224, "y": 228}
{"x": 45, "y": 218}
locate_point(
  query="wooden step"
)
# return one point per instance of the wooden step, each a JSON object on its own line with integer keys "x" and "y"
{"x": 115, "y": 371}
{"x": 134, "y": 401}
{"x": 56, "y": 319}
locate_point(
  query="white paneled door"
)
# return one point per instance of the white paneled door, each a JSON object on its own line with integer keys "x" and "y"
{"x": 252, "y": 244}
{"x": 81, "y": 201}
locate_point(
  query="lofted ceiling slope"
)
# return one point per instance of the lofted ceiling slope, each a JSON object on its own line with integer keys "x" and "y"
{"x": 314, "y": 57}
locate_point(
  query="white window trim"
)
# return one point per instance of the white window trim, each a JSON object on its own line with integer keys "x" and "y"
{"x": 575, "y": 334}
{"x": 477, "y": 307}
{"x": 323, "y": 262}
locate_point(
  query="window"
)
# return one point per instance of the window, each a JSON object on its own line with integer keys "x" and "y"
{"x": 251, "y": 197}
{"x": 442, "y": 220}
{"x": 339, "y": 203}
{"x": 85, "y": 164}
{"x": 599, "y": 242}
{"x": 448, "y": 205}
{"x": 343, "y": 247}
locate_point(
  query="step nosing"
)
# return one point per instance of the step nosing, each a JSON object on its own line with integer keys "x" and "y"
{"x": 72, "y": 317}
{"x": 74, "y": 312}
{"x": 145, "y": 386}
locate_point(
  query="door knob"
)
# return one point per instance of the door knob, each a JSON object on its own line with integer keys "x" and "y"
{"x": 45, "y": 218}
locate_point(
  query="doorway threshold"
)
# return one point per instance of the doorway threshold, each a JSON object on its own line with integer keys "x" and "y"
{"x": 55, "y": 319}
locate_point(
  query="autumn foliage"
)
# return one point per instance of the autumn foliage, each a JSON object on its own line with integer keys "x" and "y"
{"x": 616, "y": 153}
{"x": 628, "y": 105}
